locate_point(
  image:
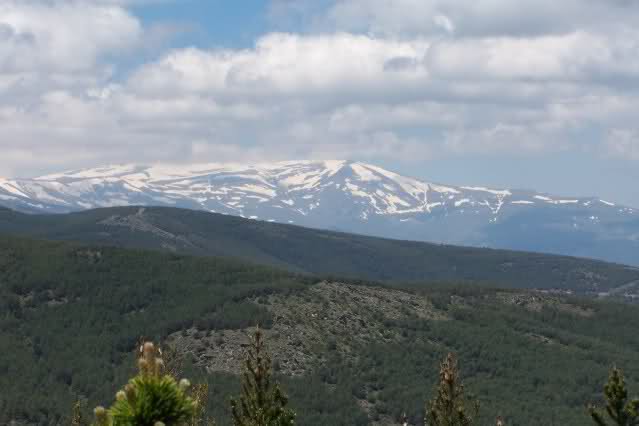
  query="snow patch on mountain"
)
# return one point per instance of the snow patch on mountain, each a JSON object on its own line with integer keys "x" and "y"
{"x": 502, "y": 192}
{"x": 313, "y": 193}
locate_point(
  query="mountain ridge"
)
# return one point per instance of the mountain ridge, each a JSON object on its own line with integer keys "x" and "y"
{"x": 321, "y": 252}
{"x": 277, "y": 175}
{"x": 348, "y": 196}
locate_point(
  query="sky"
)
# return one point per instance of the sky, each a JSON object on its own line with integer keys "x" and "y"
{"x": 526, "y": 94}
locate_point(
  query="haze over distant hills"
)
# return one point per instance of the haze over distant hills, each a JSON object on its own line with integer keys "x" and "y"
{"x": 352, "y": 197}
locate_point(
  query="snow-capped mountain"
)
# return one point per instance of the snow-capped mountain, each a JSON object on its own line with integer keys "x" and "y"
{"x": 347, "y": 196}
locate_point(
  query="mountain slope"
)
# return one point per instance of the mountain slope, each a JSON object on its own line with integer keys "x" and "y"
{"x": 319, "y": 252}
{"x": 347, "y": 354}
{"x": 350, "y": 197}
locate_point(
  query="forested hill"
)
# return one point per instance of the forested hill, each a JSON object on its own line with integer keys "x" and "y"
{"x": 318, "y": 252}
{"x": 346, "y": 354}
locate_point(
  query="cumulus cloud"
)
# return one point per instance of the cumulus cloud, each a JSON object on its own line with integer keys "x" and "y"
{"x": 423, "y": 79}
{"x": 284, "y": 65}
{"x": 61, "y": 36}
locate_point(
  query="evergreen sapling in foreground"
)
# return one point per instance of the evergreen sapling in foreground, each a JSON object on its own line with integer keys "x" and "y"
{"x": 151, "y": 398}
{"x": 450, "y": 407}
{"x": 262, "y": 402}
{"x": 619, "y": 410}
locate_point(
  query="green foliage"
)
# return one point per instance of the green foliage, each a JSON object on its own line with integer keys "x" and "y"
{"x": 620, "y": 411}
{"x": 450, "y": 407}
{"x": 200, "y": 394}
{"x": 320, "y": 252}
{"x": 150, "y": 398}
{"x": 59, "y": 302}
{"x": 68, "y": 319}
{"x": 527, "y": 380}
{"x": 262, "y": 402}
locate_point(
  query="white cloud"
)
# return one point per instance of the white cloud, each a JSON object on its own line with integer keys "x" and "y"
{"x": 502, "y": 138}
{"x": 284, "y": 64}
{"x": 474, "y": 18}
{"x": 623, "y": 143}
{"x": 555, "y": 57}
{"x": 61, "y": 36}
{"x": 425, "y": 79}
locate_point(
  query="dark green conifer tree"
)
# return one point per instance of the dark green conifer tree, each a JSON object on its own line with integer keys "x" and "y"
{"x": 262, "y": 402}
{"x": 451, "y": 407}
{"x": 619, "y": 410}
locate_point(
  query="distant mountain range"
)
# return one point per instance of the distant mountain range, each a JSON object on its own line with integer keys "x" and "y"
{"x": 351, "y": 197}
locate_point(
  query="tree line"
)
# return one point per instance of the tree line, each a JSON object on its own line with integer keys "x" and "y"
{"x": 157, "y": 397}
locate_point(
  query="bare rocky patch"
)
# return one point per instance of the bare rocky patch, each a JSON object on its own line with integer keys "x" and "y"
{"x": 141, "y": 223}
{"x": 535, "y": 302}
{"x": 310, "y": 324}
